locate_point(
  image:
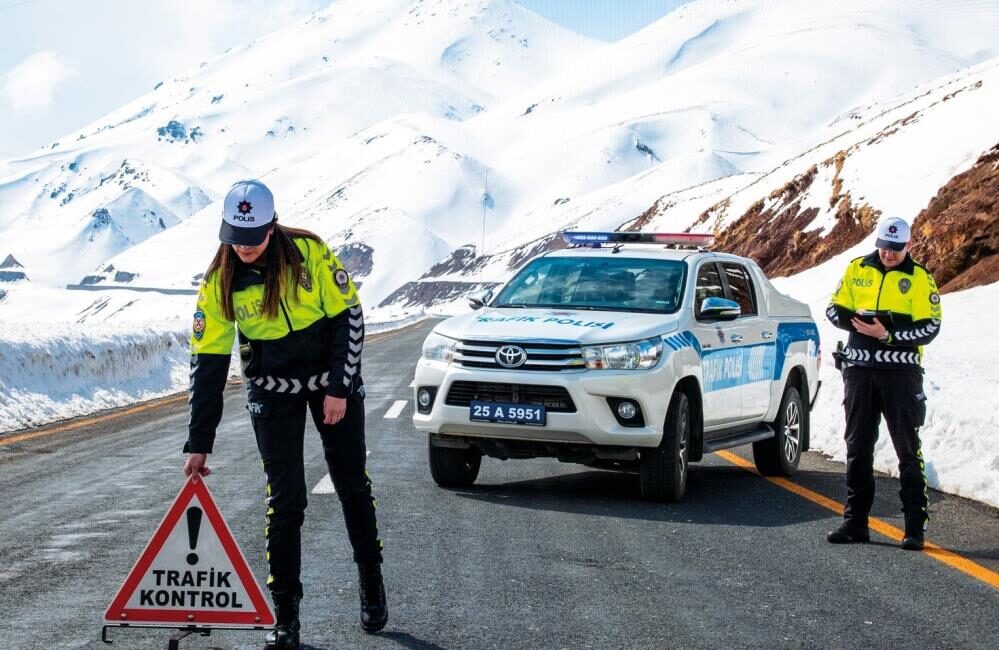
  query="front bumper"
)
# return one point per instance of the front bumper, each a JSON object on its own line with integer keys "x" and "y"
{"x": 593, "y": 421}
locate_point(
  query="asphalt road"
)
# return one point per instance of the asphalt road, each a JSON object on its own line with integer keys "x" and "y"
{"x": 536, "y": 555}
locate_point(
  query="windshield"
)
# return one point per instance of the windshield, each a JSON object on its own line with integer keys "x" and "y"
{"x": 604, "y": 283}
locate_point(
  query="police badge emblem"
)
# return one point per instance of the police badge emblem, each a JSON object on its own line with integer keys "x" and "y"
{"x": 305, "y": 280}
{"x": 904, "y": 285}
{"x": 199, "y": 324}
{"x": 341, "y": 278}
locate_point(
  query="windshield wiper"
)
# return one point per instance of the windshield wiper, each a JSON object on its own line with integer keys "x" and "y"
{"x": 508, "y": 304}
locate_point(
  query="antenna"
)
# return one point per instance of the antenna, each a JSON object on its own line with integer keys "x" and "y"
{"x": 482, "y": 247}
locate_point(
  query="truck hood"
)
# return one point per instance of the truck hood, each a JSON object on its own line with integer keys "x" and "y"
{"x": 583, "y": 326}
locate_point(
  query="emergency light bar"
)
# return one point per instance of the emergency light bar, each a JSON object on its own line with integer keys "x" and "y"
{"x": 596, "y": 239}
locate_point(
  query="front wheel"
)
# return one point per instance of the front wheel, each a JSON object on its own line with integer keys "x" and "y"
{"x": 780, "y": 455}
{"x": 451, "y": 467}
{"x": 663, "y": 470}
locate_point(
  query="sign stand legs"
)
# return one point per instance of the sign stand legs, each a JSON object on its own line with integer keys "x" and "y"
{"x": 173, "y": 643}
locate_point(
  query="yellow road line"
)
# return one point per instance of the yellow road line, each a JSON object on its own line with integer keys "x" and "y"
{"x": 949, "y": 558}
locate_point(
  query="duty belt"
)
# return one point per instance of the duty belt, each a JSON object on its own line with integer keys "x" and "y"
{"x": 292, "y": 386}
{"x": 867, "y": 357}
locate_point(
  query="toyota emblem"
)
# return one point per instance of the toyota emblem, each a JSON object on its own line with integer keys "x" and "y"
{"x": 511, "y": 356}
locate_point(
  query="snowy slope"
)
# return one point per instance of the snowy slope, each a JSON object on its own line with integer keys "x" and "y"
{"x": 273, "y": 109}
{"x": 403, "y": 131}
{"x": 482, "y": 107}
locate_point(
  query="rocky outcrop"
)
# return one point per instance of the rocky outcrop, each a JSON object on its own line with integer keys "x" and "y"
{"x": 10, "y": 262}
{"x": 957, "y": 235}
{"x": 773, "y": 231}
{"x": 430, "y": 293}
{"x": 519, "y": 256}
{"x": 462, "y": 260}
{"x": 357, "y": 258}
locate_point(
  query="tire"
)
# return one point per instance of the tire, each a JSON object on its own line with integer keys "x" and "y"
{"x": 663, "y": 470}
{"x": 452, "y": 467}
{"x": 780, "y": 455}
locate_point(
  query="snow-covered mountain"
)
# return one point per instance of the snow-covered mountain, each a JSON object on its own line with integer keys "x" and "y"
{"x": 406, "y": 130}
{"x": 438, "y": 144}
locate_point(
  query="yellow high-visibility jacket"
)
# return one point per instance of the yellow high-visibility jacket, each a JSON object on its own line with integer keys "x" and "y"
{"x": 908, "y": 291}
{"x": 314, "y": 343}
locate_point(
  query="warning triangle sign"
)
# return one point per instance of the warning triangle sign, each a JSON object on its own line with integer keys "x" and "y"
{"x": 192, "y": 573}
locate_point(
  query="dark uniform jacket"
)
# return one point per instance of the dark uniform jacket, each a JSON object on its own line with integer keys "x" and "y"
{"x": 907, "y": 291}
{"x": 314, "y": 343}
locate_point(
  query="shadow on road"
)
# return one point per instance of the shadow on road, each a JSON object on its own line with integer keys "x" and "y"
{"x": 716, "y": 495}
{"x": 409, "y": 641}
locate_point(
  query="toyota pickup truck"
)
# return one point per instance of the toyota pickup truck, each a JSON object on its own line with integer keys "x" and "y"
{"x": 628, "y": 351}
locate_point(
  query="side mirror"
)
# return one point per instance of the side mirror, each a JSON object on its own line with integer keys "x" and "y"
{"x": 481, "y": 299}
{"x": 720, "y": 309}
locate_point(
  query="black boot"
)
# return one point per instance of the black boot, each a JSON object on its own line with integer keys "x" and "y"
{"x": 286, "y": 627}
{"x": 374, "y": 608}
{"x": 849, "y": 533}
{"x": 914, "y": 525}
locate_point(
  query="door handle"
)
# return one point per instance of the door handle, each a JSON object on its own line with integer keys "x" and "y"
{"x": 767, "y": 335}
{"x": 736, "y": 338}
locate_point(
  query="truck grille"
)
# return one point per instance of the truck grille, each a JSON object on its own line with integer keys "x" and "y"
{"x": 555, "y": 399}
{"x": 541, "y": 357}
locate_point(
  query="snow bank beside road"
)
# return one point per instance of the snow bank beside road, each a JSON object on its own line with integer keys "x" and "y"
{"x": 50, "y": 373}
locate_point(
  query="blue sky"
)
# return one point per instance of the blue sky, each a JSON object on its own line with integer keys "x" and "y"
{"x": 59, "y": 74}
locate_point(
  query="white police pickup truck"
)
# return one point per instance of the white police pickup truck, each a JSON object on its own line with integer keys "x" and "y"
{"x": 626, "y": 350}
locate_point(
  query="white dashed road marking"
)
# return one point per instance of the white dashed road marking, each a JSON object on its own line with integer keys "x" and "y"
{"x": 396, "y": 409}
{"x": 325, "y": 484}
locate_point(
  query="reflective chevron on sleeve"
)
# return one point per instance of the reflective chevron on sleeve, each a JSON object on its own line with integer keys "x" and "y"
{"x": 293, "y": 386}
{"x": 832, "y": 314}
{"x": 356, "y": 321}
{"x": 920, "y": 332}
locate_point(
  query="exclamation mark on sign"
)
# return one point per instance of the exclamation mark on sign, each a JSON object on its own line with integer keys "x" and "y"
{"x": 193, "y": 526}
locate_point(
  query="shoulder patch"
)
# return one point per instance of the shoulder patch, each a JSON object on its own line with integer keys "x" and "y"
{"x": 198, "y": 328}
{"x": 935, "y": 298}
{"x": 341, "y": 278}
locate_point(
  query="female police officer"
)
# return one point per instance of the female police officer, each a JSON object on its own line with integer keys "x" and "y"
{"x": 301, "y": 330}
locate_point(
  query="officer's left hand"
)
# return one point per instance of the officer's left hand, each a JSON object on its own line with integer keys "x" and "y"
{"x": 333, "y": 409}
{"x": 875, "y": 329}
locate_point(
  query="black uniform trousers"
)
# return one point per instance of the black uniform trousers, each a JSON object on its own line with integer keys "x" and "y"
{"x": 898, "y": 395}
{"x": 279, "y": 425}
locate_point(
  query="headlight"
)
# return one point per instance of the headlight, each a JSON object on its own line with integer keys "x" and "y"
{"x": 624, "y": 356}
{"x": 439, "y": 348}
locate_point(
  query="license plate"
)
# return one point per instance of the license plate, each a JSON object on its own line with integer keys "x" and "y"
{"x": 504, "y": 413}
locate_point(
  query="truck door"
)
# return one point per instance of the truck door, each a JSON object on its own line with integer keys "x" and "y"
{"x": 755, "y": 338}
{"x": 722, "y": 393}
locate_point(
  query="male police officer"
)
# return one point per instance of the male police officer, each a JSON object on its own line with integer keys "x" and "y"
{"x": 883, "y": 375}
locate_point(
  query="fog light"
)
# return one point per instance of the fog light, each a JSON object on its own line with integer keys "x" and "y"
{"x": 424, "y": 397}
{"x": 627, "y": 410}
